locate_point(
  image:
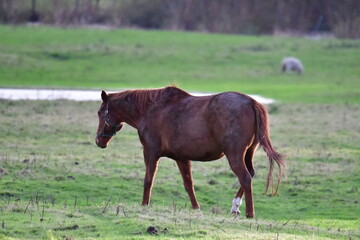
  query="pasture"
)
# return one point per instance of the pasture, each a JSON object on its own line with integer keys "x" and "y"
{"x": 56, "y": 184}
{"x": 113, "y": 59}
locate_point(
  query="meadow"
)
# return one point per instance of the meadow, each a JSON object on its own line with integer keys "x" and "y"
{"x": 113, "y": 59}
{"x": 56, "y": 184}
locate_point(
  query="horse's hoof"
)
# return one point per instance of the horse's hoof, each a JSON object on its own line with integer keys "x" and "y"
{"x": 235, "y": 212}
{"x": 236, "y": 202}
{"x": 250, "y": 215}
{"x": 195, "y": 206}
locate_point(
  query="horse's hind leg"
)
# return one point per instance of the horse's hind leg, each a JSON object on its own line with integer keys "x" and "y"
{"x": 237, "y": 201}
{"x": 249, "y": 159}
{"x": 185, "y": 170}
{"x": 250, "y": 167}
{"x": 238, "y": 166}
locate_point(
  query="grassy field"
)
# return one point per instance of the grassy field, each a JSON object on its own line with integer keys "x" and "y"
{"x": 113, "y": 59}
{"x": 56, "y": 184}
{"x": 54, "y": 179}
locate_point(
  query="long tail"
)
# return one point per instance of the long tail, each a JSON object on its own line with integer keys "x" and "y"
{"x": 263, "y": 136}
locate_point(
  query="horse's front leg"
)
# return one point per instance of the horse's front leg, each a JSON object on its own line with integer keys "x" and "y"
{"x": 151, "y": 164}
{"x": 185, "y": 170}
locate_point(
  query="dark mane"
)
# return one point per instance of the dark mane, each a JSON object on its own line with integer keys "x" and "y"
{"x": 143, "y": 98}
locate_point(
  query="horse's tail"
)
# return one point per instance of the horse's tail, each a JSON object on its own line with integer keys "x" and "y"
{"x": 263, "y": 136}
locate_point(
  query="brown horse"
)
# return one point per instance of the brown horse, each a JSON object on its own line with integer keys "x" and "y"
{"x": 172, "y": 123}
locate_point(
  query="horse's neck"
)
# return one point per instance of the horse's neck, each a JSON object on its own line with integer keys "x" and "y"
{"x": 133, "y": 117}
{"x": 127, "y": 113}
{"x": 138, "y": 102}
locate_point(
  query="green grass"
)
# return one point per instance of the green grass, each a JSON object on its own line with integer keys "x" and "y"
{"x": 116, "y": 59}
{"x": 56, "y": 179}
{"x": 56, "y": 184}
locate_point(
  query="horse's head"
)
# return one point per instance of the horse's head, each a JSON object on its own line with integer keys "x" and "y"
{"x": 109, "y": 122}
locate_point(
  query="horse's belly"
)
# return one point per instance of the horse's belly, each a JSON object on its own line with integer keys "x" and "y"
{"x": 196, "y": 152}
{"x": 207, "y": 156}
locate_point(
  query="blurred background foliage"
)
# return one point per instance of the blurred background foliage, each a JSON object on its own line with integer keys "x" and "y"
{"x": 340, "y": 18}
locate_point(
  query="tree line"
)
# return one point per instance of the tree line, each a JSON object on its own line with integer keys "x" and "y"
{"x": 340, "y": 17}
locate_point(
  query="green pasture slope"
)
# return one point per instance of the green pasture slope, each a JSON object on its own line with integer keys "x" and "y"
{"x": 85, "y": 58}
{"x": 56, "y": 184}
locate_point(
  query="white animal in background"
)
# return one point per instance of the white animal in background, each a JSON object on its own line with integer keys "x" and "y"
{"x": 292, "y": 64}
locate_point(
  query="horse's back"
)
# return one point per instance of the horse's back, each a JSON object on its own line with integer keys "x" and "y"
{"x": 199, "y": 116}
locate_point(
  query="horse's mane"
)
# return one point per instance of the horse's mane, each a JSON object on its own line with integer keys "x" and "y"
{"x": 142, "y": 98}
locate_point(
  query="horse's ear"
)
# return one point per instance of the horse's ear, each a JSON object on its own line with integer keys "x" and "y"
{"x": 104, "y": 96}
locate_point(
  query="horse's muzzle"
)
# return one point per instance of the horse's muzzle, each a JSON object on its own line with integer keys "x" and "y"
{"x": 99, "y": 143}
